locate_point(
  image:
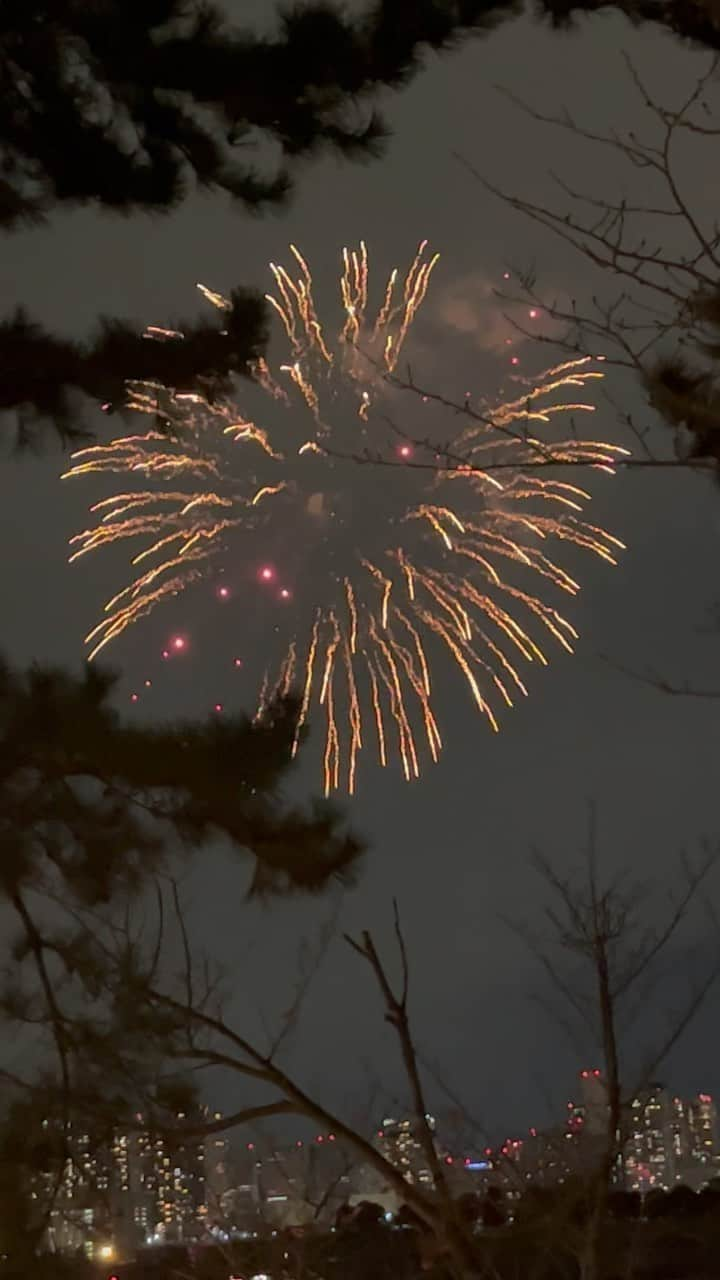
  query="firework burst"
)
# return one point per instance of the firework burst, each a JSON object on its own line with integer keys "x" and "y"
{"x": 400, "y": 563}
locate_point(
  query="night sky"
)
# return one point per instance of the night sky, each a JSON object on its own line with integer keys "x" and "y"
{"x": 454, "y": 847}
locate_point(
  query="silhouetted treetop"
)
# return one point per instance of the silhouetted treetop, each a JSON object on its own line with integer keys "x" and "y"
{"x": 123, "y": 102}
{"x": 131, "y": 104}
{"x": 696, "y": 21}
{"x": 100, "y": 800}
{"x": 41, "y": 371}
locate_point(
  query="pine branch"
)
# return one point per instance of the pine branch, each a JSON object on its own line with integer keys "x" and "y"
{"x": 41, "y": 373}
{"x": 127, "y": 104}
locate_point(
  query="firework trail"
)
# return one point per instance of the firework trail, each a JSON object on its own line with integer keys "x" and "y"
{"x": 401, "y": 563}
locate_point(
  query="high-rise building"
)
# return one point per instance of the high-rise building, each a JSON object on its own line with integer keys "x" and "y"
{"x": 290, "y": 1186}
{"x": 594, "y": 1102}
{"x": 400, "y": 1143}
{"x": 84, "y": 1206}
{"x": 175, "y": 1182}
{"x": 702, "y": 1124}
{"x": 133, "y": 1187}
{"x": 217, "y": 1172}
{"x": 546, "y": 1158}
{"x": 680, "y": 1131}
{"x": 649, "y": 1155}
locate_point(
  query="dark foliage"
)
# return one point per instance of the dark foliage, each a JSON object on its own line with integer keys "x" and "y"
{"x": 684, "y": 387}
{"x": 99, "y": 800}
{"x": 129, "y": 104}
{"x": 494, "y": 1209}
{"x": 695, "y": 21}
{"x": 122, "y": 102}
{"x": 625, "y": 1205}
{"x": 94, "y": 813}
{"x": 41, "y": 371}
{"x": 688, "y": 399}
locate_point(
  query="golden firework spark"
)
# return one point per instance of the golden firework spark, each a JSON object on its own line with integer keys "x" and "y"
{"x": 423, "y": 570}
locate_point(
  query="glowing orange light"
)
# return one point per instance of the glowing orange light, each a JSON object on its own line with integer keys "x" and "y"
{"x": 448, "y": 568}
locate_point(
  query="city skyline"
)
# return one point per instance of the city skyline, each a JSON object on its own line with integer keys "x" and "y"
{"x": 144, "y": 1187}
